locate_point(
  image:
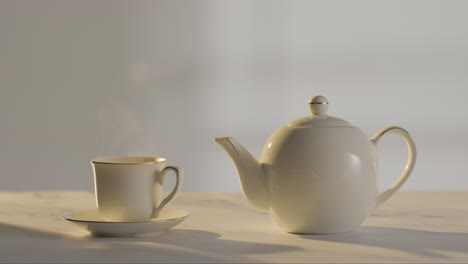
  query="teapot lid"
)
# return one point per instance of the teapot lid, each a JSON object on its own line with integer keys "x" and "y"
{"x": 319, "y": 118}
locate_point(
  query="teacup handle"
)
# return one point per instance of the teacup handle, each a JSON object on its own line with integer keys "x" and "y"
{"x": 179, "y": 179}
{"x": 409, "y": 165}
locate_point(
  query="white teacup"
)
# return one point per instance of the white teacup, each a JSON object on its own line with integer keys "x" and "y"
{"x": 129, "y": 189}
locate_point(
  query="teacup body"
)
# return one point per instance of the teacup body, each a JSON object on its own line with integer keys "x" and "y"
{"x": 128, "y": 189}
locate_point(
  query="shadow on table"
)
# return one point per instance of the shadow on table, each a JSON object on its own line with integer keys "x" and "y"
{"x": 177, "y": 245}
{"x": 418, "y": 242}
{"x": 204, "y": 241}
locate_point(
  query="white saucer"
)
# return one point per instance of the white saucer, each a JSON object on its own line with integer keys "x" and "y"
{"x": 92, "y": 221}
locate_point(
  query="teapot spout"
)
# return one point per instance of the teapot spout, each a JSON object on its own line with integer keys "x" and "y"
{"x": 250, "y": 172}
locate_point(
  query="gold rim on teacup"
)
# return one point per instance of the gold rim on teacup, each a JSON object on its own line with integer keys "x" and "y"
{"x": 129, "y": 160}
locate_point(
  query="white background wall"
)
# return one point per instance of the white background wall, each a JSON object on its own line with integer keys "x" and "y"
{"x": 81, "y": 79}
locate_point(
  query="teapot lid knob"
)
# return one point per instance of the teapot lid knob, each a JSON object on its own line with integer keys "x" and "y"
{"x": 318, "y": 105}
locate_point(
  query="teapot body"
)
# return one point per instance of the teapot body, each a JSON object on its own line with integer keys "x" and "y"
{"x": 321, "y": 180}
{"x": 318, "y": 174}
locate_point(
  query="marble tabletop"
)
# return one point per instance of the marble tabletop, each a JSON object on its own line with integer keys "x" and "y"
{"x": 409, "y": 227}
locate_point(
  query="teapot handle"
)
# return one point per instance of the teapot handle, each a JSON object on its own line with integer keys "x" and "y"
{"x": 409, "y": 165}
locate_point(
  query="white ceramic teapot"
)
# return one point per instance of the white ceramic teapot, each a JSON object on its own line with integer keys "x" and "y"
{"x": 318, "y": 174}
